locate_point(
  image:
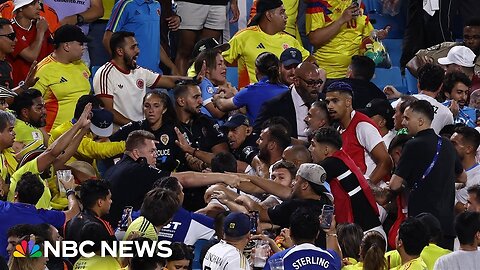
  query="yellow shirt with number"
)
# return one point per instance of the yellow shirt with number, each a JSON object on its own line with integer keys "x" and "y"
{"x": 61, "y": 86}
{"x": 248, "y": 43}
{"x": 30, "y": 136}
{"x": 336, "y": 55}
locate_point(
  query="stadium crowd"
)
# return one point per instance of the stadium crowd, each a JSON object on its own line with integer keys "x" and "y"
{"x": 118, "y": 122}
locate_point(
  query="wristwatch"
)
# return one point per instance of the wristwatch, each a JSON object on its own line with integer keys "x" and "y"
{"x": 80, "y": 19}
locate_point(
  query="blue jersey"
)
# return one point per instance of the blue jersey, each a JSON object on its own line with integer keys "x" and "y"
{"x": 307, "y": 257}
{"x": 253, "y": 96}
{"x": 466, "y": 115}
{"x": 141, "y": 17}
{"x": 12, "y": 214}
{"x": 187, "y": 227}
{"x": 208, "y": 90}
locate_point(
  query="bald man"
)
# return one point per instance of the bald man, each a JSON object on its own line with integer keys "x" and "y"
{"x": 294, "y": 104}
{"x": 297, "y": 154}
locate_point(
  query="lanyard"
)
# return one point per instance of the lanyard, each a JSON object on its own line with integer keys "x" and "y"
{"x": 429, "y": 169}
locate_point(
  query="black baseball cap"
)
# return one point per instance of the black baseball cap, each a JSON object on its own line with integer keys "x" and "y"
{"x": 67, "y": 33}
{"x": 262, "y": 7}
{"x": 236, "y": 120}
{"x": 207, "y": 44}
{"x": 291, "y": 56}
{"x": 382, "y": 107}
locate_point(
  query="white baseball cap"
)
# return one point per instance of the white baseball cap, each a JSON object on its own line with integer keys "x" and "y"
{"x": 316, "y": 174}
{"x": 459, "y": 55}
{"x": 20, "y": 3}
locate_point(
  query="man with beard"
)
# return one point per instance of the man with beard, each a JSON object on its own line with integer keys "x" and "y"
{"x": 360, "y": 135}
{"x": 316, "y": 118}
{"x": 293, "y": 105}
{"x": 29, "y": 108}
{"x": 271, "y": 143}
{"x": 198, "y": 136}
{"x": 289, "y": 61}
{"x": 456, "y": 86}
{"x": 121, "y": 84}
{"x": 308, "y": 190}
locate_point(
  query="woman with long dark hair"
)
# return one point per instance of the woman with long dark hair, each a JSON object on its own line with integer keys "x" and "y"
{"x": 160, "y": 119}
{"x": 253, "y": 96}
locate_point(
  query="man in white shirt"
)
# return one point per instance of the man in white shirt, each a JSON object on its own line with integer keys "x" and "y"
{"x": 467, "y": 227}
{"x": 121, "y": 84}
{"x": 381, "y": 112}
{"x": 430, "y": 79}
{"x": 466, "y": 141}
{"x": 228, "y": 253}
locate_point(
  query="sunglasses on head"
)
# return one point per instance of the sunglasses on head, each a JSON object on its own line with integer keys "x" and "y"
{"x": 10, "y": 36}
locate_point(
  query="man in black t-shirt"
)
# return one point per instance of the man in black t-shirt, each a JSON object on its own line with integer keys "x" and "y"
{"x": 354, "y": 201}
{"x": 428, "y": 168}
{"x": 198, "y": 136}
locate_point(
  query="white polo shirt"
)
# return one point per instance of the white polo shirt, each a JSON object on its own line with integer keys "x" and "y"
{"x": 223, "y": 256}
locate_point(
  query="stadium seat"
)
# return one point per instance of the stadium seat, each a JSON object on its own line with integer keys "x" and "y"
{"x": 232, "y": 75}
{"x": 391, "y": 76}
{"x": 394, "y": 49}
{"x": 411, "y": 82}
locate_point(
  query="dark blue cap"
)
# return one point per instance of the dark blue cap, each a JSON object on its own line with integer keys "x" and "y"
{"x": 237, "y": 120}
{"x": 291, "y": 56}
{"x": 101, "y": 123}
{"x": 236, "y": 224}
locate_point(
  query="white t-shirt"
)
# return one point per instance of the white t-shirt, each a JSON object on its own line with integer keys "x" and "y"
{"x": 443, "y": 116}
{"x": 387, "y": 139}
{"x": 223, "y": 256}
{"x": 473, "y": 178}
{"x": 369, "y": 137}
{"x": 126, "y": 88}
{"x": 465, "y": 260}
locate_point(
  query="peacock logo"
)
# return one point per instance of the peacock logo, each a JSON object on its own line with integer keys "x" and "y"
{"x": 27, "y": 250}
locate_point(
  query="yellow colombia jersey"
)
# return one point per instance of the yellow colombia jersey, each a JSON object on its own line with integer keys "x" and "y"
{"x": 88, "y": 150}
{"x": 32, "y": 167}
{"x": 61, "y": 86}
{"x": 30, "y": 136}
{"x": 248, "y": 43}
{"x": 415, "y": 264}
{"x": 9, "y": 164}
{"x": 335, "y": 56}
{"x": 97, "y": 262}
{"x": 291, "y": 9}
{"x": 429, "y": 255}
{"x": 144, "y": 227}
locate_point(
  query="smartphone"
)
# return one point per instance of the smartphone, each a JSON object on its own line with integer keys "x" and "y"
{"x": 326, "y": 217}
{"x": 254, "y": 221}
{"x": 127, "y": 213}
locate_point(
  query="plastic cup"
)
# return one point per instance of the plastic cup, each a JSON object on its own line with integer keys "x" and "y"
{"x": 66, "y": 176}
{"x": 326, "y": 217}
{"x": 276, "y": 264}
{"x": 260, "y": 255}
